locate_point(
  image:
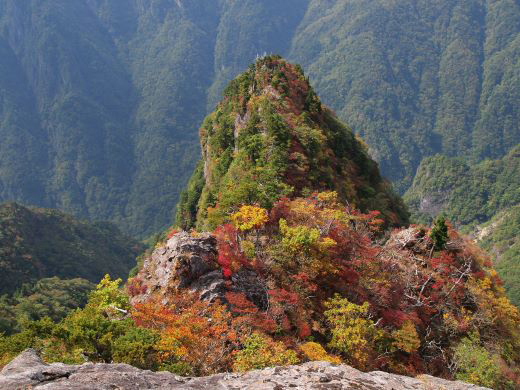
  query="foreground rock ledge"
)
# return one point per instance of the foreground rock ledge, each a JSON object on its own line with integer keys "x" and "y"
{"x": 27, "y": 371}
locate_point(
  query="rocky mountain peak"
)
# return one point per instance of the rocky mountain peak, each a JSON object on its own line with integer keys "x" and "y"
{"x": 271, "y": 137}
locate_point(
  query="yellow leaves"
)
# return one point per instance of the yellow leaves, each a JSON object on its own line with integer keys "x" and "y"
{"x": 249, "y": 217}
{"x": 315, "y": 352}
{"x": 507, "y": 308}
{"x": 261, "y": 351}
{"x": 325, "y": 209}
{"x": 406, "y": 339}
{"x": 485, "y": 284}
{"x": 353, "y": 332}
{"x": 326, "y": 243}
{"x": 328, "y": 198}
{"x": 248, "y": 248}
{"x": 298, "y": 238}
{"x": 108, "y": 296}
{"x": 303, "y": 238}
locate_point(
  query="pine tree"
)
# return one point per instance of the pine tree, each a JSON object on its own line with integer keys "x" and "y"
{"x": 439, "y": 233}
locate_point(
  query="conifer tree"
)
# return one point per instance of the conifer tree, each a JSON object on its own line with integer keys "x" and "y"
{"x": 439, "y": 233}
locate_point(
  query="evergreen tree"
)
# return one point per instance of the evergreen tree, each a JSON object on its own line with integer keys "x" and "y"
{"x": 439, "y": 233}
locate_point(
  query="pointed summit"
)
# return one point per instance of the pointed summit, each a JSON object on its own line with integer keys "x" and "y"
{"x": 271, "y": 137}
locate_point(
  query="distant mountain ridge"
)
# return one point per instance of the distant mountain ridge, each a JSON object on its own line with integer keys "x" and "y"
{"x": 100, "y": 100}
{"x": 468, "y": 194}
{"x": 40, "y": 243}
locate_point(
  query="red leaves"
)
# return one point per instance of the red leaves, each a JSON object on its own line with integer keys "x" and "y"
{"x": 172, "y": 232}
{"x": 349, "y": 275}
{"x": 444, "y": 263}
{"x": 248, "y": 315}
{"x": 439, "y": 284}
{"x": 135, "y": 287}
{"x": 240, "y": 304}
{"x": 230, "y": 256}
{"x": 394, "y": 318}
{"x": 304, "y": 329}
{"x": 305, "y": 281}
{"x": 283, "y": 296}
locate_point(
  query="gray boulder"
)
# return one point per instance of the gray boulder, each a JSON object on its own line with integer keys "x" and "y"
{"x": 184, "y": 262}
{"x": 190, "y": 263}
{"x": 27, "y": 371}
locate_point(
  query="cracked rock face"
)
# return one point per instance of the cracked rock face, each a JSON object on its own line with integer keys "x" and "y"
{"x": 188, "y": 262}
{"x": 183, "y": 262}
{"x": 27, "y": 371}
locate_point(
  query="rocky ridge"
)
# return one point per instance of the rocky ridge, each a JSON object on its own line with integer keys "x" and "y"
{"x": 29, "y": 371}
{"x": 189, "y": 262}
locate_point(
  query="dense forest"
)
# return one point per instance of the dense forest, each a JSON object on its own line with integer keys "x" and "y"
{"x": 51, "y": 298}
{"x": 43, "y": 243}
{"x": 298, "y": 272}
{"x": 468, "y": 194}
{"x": 101, "y": 100}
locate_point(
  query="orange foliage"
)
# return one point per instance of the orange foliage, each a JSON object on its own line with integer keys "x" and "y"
{"x": 192, "y": 331}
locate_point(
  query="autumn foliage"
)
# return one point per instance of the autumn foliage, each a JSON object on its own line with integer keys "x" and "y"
{"x": 334, "y": 286}
{"x": 404, "y": 306}
{"x": 196, "y": 337}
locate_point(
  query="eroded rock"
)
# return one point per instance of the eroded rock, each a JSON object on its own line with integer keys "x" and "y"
{"x": 184, "y": 262}
{"x": 28, "y": 371}
{"x": 190, "y": 262}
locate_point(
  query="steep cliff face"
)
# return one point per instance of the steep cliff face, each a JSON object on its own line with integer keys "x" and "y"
{"x": 190, "y": 263}
{"x": 271, "y": 137}
{"x": 183, "y": 262}
{"x": 28, "y": 370}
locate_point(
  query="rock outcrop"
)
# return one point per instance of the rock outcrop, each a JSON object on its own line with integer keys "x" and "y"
{"x": 184, "y": 262}
{"x": 190, "y": 262}
{"x": 27, "y": 371}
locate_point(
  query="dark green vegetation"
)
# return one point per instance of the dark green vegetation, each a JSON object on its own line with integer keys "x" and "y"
{"x": 468, "y": 194}
{"x": 40, "y": 243}
{"x": 100, "y": 100}
{"x": 416, "y": 78}
{"x": 100, "y": 332}
{"x": 439, "y": 234}
{"x": 271, "y": 137}
{"x": 49, "y": 297}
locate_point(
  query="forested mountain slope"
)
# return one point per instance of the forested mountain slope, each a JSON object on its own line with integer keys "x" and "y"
{"x": 270, "y": 137}
{"x": 417, "y": 77}
{"x": 468, "y": 194}
{"x": 100, "y": 100}
{"x": 501, "y": 238}
{"x": 40, "y": 243}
